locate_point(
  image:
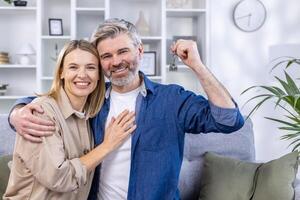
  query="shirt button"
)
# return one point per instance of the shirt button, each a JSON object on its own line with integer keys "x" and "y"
{"x": 85, "y": 151}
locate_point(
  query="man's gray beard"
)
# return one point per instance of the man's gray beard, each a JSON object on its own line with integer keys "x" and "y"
{"x": 124, "y": 80}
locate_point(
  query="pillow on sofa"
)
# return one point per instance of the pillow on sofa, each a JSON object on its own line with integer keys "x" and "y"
{"x": 230, "y": 179}
{"x": 4, "y": 173}
{"x": 238, "y": 145}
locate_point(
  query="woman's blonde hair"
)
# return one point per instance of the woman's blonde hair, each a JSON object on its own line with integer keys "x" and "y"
{"x": 96, "y": 98}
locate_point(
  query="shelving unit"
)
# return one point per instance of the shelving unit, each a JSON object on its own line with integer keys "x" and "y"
{"x": 29, "y": 24}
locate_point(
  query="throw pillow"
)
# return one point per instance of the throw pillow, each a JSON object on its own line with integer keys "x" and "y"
{"x": 4, "y": 173}
{"x": 225, "y": 178}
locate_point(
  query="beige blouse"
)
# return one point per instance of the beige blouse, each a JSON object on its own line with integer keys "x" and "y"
{"x": 52, "y": 169}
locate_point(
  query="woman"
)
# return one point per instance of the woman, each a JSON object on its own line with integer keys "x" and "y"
{"x": 58, "y": 168}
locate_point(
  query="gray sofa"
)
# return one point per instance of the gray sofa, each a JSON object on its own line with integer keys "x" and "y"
{"x": 239, "y": 145}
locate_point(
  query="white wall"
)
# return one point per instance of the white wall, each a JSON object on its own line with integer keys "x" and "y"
{"x": 241, "y": 59}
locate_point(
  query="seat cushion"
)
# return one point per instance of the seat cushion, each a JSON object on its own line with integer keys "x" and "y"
{"x": 4, "y": 173}
{"x": 238, "y": 145}
{"x": 232, "y": 179}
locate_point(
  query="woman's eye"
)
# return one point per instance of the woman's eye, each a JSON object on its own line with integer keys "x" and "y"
{"x": 73, "y": 67}
{"x": 91, "y": 67}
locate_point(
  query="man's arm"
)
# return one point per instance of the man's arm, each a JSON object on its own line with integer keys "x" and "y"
{"x": 29, "y": 126}
{"x": 220, "y": 113}
{"x": 216, "y": 92}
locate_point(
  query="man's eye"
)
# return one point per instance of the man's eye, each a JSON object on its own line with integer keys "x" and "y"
{"x": 123, "y": 51}
{"x": 105, "y": 57}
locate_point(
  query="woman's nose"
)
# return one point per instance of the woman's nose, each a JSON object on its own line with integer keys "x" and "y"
{"x": 82, "y": 72}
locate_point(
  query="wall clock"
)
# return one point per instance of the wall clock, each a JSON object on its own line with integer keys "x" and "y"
{"x": 249, "y": 15}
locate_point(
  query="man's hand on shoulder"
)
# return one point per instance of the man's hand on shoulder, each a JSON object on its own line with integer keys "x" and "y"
{"x": 28, "y": 125}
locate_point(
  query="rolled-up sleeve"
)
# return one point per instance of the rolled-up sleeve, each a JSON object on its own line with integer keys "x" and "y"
{"x": 48, "y": 163}
{"x": 225, "y": 116}
{"x": 197, "y": 115}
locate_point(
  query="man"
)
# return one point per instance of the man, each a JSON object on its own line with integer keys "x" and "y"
{"x": 147, "y": 165}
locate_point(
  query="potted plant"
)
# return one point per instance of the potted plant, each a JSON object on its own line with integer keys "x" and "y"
{"x": 287, "y": 97}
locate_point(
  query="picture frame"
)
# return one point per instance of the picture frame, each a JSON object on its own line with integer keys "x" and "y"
{"x": 55, "y": 26}
{"x": 148, "y": 63}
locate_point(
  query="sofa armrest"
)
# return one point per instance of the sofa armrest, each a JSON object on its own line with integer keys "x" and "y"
{"x": 297, "y": 186}
{"x": 297, "y": 189}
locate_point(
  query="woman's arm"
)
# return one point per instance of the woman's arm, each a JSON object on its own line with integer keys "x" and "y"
{"x": 115, "y": 134}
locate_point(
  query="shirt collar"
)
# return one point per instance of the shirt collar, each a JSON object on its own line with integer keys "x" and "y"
{"x": 65, "y": 105}
{"x": 146, "y": 86}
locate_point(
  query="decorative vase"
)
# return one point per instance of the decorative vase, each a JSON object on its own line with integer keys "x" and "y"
{"x": 142, "y": 25}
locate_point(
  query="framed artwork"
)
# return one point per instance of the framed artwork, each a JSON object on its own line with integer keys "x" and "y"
{"x": 148, "y": 63}
{"x": 55, "y": 26}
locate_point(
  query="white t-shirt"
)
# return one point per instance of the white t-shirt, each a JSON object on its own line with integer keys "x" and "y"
{"x": 115, "y": 168}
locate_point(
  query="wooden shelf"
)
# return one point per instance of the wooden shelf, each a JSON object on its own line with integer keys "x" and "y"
{"x": 51, "y": 37}
{"x": 184, "y": 12}
{"x": 12, "y": 97}
{"x": 47, "y": 78}
{"x": 17, "y": 8}
{"x": 14, "y": 66}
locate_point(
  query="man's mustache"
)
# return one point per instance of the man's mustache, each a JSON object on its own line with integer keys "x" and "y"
{"x": 116, "y": 67}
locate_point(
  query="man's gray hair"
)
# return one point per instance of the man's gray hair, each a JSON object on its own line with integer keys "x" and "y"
{"x": 111, "y": 28}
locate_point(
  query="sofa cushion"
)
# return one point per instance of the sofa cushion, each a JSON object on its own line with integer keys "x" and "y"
{"x": 238, "y": 145}
{"x": 4, "y": 173}
{"x": 232, "y": 179}
{"x": 275, "y": 179}
{"x": 7, "y": 136}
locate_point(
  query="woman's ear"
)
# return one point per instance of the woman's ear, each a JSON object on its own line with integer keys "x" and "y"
{"x": 62, "y": 74}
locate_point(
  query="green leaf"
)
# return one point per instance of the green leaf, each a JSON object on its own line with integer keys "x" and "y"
{"x": 257, "y": 106}
{"x": 258, "y": 96}
{"x": 282, "y": 122}
{"x": 291, "y": 83}
{"x": 250, "y": 88}
{"x": 290, "y": 136}
{"x": 294, "y": 141}
{"x": 285, "y": 85}
{"x": 289, "y": 128}
{"x": 287, "y": 97}
{"x": 296, "y": 147}
{"x": 288, "y": 58}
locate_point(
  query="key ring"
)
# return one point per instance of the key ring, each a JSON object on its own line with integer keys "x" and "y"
{"x": 173, "y": 66}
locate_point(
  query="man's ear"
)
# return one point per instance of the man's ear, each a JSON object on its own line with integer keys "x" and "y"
{"x": 141, "y": 50}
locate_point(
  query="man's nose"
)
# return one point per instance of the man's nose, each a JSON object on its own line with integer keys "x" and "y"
{"x": 116, "y": 60}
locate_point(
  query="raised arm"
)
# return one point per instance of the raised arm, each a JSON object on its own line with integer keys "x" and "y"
{"x": 26, "y": 124}
{"x": 216, "y": 92}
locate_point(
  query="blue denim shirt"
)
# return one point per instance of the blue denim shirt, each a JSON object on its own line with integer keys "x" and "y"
{"x": 164, "y": 113}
